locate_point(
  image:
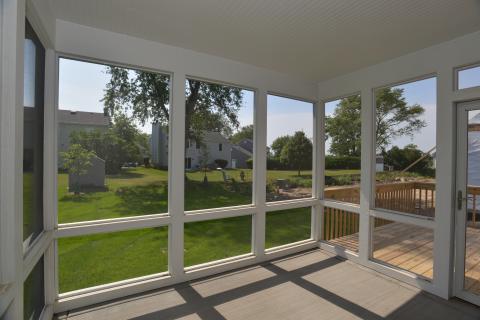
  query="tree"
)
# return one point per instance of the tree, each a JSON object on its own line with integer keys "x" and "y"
{"x": 145, "y": 97}
{"x": 344, "y": 128}
{"x": 77, "y": 161}
{"x": 278, "y": 144}
{"x": 120, "y": 144}
{"x": 297, "y": 153}
{"x": 393, "y": 118}
{"x": 400, "y": 159}
{"x": 204, "y": 156}
{"x": 245, "y": 132}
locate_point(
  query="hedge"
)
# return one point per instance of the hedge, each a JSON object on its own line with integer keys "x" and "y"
{"x": 342, "y": 162}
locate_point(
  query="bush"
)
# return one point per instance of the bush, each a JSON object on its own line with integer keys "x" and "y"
{"x": 250, "y": 163}
{"x": 222, "y": 163}
{"x": 342, "y": 180}
{"x": 342, "y": 162}
{"x": 275, "y": 164}
{"x": 401, "y": 159}
{"x": 272, "y": 164}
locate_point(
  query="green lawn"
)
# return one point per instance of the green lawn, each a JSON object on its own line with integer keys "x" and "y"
{"x": 102, "y": 258}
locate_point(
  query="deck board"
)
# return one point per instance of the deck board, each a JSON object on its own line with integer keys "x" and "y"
{"x": 411, "y": 248}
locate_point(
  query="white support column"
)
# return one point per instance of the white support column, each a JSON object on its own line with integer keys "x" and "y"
{"x": 11, "y": 153}
{"x": 50, "y": 171}
{"x": 367, "y": 186}
{"x": 443, "y": 248}
{"x": 318, "y": 172}
{"x": 260, "y": 173}
{"x": 176, "y": 170}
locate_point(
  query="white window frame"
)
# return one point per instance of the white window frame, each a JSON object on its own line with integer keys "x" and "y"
{"x": 366, "y": 210}
{"x": 456, "y": 76}
{"x": 176, "y": 217}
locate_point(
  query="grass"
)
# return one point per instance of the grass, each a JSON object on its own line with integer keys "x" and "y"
{"x": 91, "y": 260}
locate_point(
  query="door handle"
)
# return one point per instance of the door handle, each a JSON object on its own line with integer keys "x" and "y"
{"x": 460, "y": 199}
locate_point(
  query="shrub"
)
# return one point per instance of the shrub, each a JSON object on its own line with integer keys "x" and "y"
{"x": 342, "y": 180}
{"x": 250, "y": 163}
{"x": 275, "y": 164}
{"x": 222, "y": 163}
{"x": 401, "y": 159}
{"x": 342, "y": 162}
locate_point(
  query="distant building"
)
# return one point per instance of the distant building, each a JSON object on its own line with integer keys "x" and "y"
{"x": 70, "y": 121}
{"x": 93, "y": 178}
{"x": 241, "y": 153}
{"x": 379, "y": 164}
{"x": 159, "y": 146}
{"x": 216, "y": 147}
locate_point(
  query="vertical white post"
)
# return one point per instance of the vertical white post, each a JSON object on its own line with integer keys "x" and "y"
{"x": 367, "y": 186}
{"x": 50, "y": 171}
{"x": 443, "y": 249}
{"x": 318, "y": 172}
{"x": 260, "y": 173}
{"x": 11, "y": 152}
{"x": 176, "y": 146}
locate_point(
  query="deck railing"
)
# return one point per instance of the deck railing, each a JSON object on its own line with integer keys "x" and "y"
{"x": 414, "y": 197}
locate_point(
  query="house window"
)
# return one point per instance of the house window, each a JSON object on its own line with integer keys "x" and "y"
{"x": 217, "y": 118}
{"x": 188, "y": 163}
{"x": 343, "y": 130}
{"x": 405, "y": 147}
{"x": 114, "y": 159}
{"x": 468, "y": 77}
{"x": 290, "y": 148}
{"x": 34, "y": 74}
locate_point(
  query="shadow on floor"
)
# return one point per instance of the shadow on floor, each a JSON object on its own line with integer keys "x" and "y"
{"x": 190, "y": 303}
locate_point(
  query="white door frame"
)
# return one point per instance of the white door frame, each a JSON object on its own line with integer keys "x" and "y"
{"x": 460, "y": 211}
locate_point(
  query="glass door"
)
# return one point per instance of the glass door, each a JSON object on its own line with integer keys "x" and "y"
{"x": 467, "y": 268}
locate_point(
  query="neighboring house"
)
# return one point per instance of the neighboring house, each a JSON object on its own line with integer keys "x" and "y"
{"x": 379, "y": 164}
{"x": 70, "y": 121}
{"x": 216, "y": 146}
{"x": 241, "y": 153}
{"x": 246, "y": 144}
{"x": 94, "y": 177}
{"x": 159, "y": 146}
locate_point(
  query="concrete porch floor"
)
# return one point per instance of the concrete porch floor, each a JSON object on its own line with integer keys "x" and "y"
{"x": 310, "y": 285}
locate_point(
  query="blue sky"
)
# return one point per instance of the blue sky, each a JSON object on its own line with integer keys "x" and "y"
{"x": 469, "y": 78}
{"x": 422, "y": 92}
{"x": 81, "y": 88}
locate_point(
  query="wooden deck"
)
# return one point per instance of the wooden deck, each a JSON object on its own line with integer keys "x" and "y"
{"x": 313, "y": 285}
{"x": 411, "y": 248}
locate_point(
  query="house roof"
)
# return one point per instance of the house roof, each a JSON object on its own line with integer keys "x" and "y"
{"x": 242, "y": 150}
{"x": 215, "y": 137}
{"x": 246, "y": 144}
{"x": 83, "y": 118}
